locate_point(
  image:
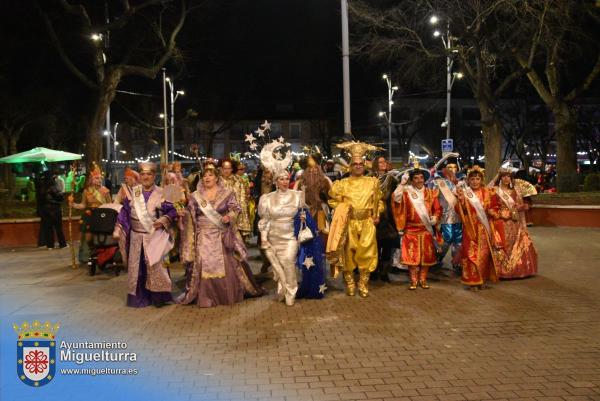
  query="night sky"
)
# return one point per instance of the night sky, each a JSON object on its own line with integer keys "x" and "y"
{"x": 240, "y": 59}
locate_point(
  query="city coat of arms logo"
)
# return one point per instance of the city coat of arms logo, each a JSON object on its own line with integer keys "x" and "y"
{"x": 36, "y": 352}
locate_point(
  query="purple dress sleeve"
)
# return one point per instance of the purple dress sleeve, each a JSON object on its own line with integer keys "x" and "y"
{"x": 167, "y": 209}
{"x": 124, "y": 217}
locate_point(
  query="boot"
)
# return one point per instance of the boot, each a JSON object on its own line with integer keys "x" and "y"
{"x": 423, "y": 277}
{"x": 363, "y": 283}
{"x": 350, "y": 284}
{"x": 412, "y": 272}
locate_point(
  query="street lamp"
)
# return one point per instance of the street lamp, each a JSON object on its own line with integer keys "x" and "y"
{"x": 391, "y": 90}
{"x": 449, "y": 62}
{"x": 111, "y": 157}
{"x": 115, "y": 143}
{"x": 174, "y": 95}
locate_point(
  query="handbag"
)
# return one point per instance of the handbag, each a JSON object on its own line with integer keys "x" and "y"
{"x": 304, "y": 235}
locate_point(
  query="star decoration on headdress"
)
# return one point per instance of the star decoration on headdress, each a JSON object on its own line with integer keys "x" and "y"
{"x": 322, "y": 288}
{"x": 281, "y": 139}
{"x": 288, "y": 144}
{"x": 308, "y": 262}
{"x": 260, "y": 132}
{"x": 250, "y": 138}
{"x": 278, "y": 155}
{"x": 266, "y": 125}
{"x": 253, "y": 145}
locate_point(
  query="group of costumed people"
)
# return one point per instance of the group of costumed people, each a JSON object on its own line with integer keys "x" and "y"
{"x": 210, "y": 224}
{"x": 484, "y": 226}
{"x": 354, "y": 222}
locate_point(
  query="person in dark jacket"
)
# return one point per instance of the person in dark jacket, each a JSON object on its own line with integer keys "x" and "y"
{"x": 51, "y": 198}
{"x": 387, "y": 235}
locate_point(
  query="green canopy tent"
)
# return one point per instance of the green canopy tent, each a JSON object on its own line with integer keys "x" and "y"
{"x": 40, "y": 155}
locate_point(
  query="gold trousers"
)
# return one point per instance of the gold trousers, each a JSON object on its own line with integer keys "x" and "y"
{"x": 361, "y": 248}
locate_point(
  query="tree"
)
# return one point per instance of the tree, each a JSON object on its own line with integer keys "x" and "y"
{"x": 400, "y": 35}
{"x": 560, "y": 37}
{"x": 525, "y": 130}
{"x": 101, "y": 48}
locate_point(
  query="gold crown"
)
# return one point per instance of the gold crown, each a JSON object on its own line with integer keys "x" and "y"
{"x": 357, "y": 149}
{"x": 475, "y": 170}
{"x": 36, "y": 330}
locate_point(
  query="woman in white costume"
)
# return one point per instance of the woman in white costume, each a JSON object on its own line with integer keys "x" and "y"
{"x": 277, "y": 211}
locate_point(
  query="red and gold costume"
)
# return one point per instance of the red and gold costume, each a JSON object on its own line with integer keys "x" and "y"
{"x": 418, "y": 244}
{"x": 518, "y": 257}
{"x": 477, "y": 257}
{"x": 418, "y": 247}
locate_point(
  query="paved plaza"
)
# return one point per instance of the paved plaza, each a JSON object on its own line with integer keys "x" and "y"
{"x": 532, "y": 339}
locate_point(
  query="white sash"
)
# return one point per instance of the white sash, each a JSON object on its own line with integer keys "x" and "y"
{"x": 447, "y": 193}
{"x": 127, "y": 191}
{"x": 418, "y": 201}
{"x": 139, "y": 204}
{"x": 506, "y": 198}
{"x": 209, "y": 211}
{"x": 476, "y": 203}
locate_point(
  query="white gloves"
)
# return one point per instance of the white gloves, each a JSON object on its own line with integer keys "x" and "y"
{"x": 404, "y": 179}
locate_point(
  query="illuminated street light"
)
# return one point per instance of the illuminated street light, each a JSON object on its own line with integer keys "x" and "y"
{"x": 450, "y": 77}
{"x": 391, "y": 90}
{"x": 96, "y": 37}
{"x": 174, "y": 95}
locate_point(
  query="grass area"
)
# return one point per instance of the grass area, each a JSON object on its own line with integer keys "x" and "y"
{"x": 568, "y": 198}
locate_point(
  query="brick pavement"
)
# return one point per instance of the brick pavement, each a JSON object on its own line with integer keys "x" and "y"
{"x": 533, "y": 339}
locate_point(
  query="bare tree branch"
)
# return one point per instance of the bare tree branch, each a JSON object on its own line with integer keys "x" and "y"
{"x": 61, "y": 51}
{"x": 150, "y": 72}
{"x": 586, "y": 83}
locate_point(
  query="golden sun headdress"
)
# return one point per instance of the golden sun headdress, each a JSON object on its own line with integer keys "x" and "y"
{"x": 356, "y": 149}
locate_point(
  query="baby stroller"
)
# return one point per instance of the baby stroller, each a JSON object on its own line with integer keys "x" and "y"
{"x": 104, "y": 249}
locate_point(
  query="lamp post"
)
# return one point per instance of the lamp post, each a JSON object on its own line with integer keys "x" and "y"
{"x": 346, "y": 67}
{"x": 450, "y": 77}
{"x": 174, "y": 96}
{"x": 115, "y": 143}
{"x": 98, "y": 40}
{"x": 165, "y": 115}
{"x": 391, "y": 90}
{"x": 111, "y": 156}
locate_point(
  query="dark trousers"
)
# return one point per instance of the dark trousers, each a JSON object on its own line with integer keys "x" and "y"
{"x": 51, "y": 222}
{"x": 384, "y": 250}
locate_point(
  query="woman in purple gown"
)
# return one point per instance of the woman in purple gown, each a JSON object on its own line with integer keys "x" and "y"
{"x": 220, "y": 274}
